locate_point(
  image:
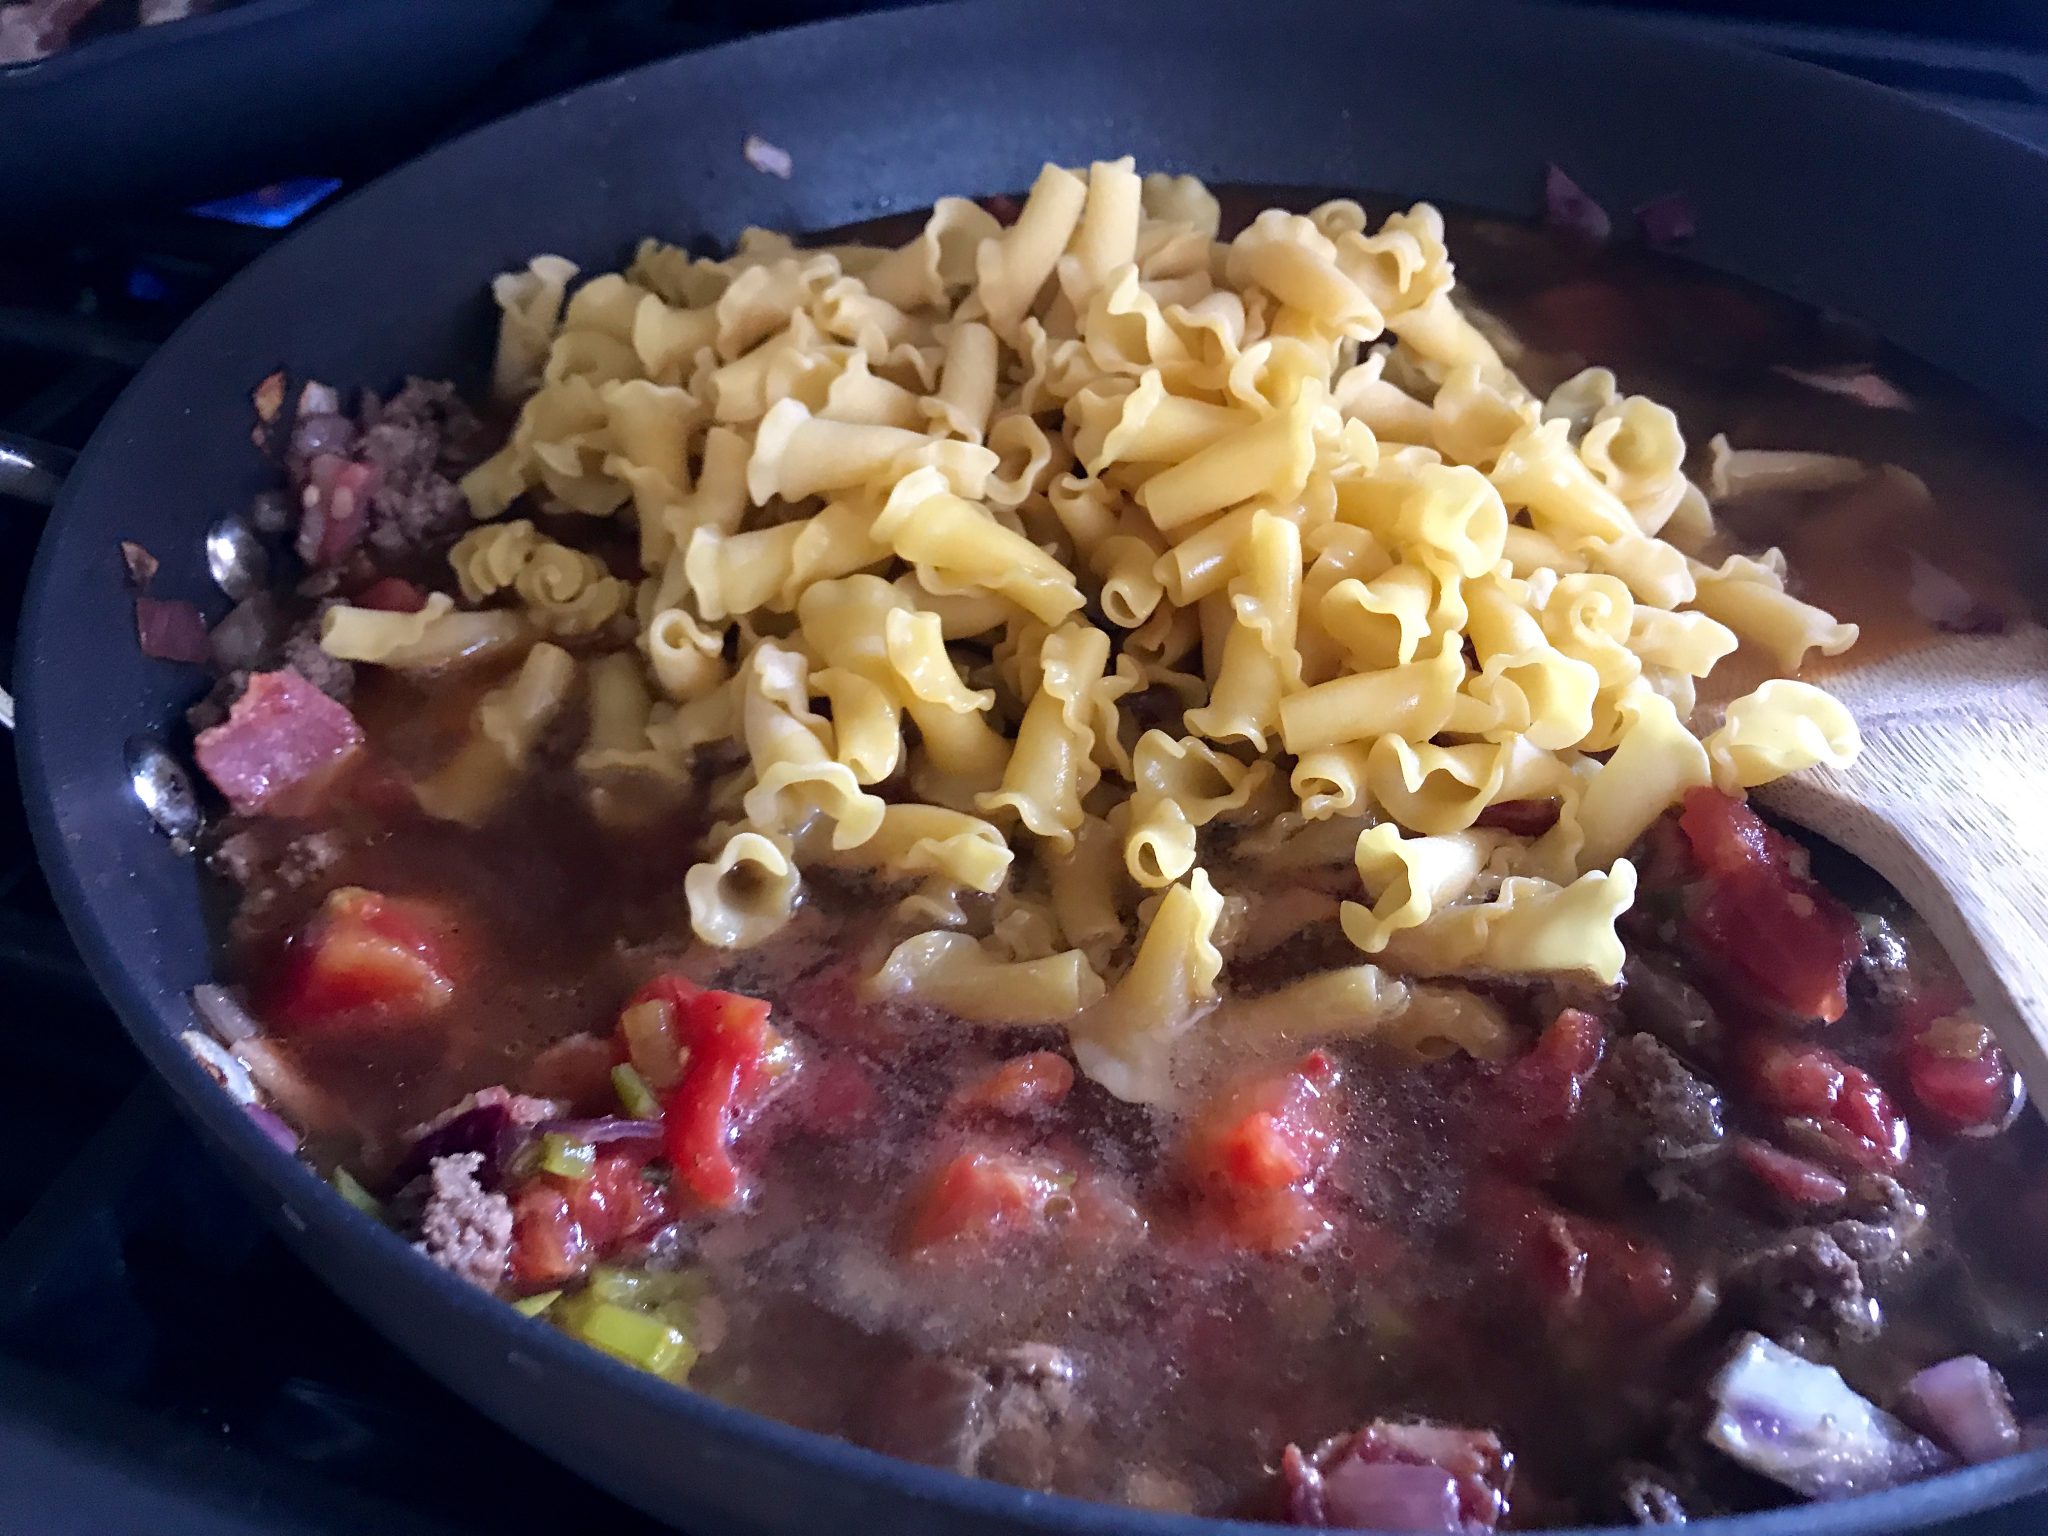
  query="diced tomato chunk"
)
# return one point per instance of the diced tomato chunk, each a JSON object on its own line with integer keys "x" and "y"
{"x": 1789, "y": 942}
{"x": 1537, "y": 1097}
{"x": 1581, "y": 1268}
{"x": 1853, "y": 1114}
{"x": 982, "y": 1194}
{"x": 366, "y": 957}
{"x": 1960, "y": 1092}
{"x": 1254, "y": 1155}
{"x": 561, "y": 1226}
{"x": 839, "y": 1098}
{"x": 392, "y": 594}
{"x": 731, "y": 1059}
{"x": 548, "y": 1247}
{"x": 1797, "y": 1180}
{"x": 1021, "y": 1087}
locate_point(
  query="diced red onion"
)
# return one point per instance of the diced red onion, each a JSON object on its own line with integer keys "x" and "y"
{"x": 602, "y": 1132}
{"x": 1945, "y": 602}
{"x": 274, "y": 1127}
{"x": 223, "y": 1013}
{"x": 769, "y": 159}
{"x": 1568, "y": 209}
{"x": 1668, "y": 220}
{"x": 171, "y": 630}
{"x": 1800, "y": 1425}
{"x": 301, "y": 1101}
{"x": 140, "y": 564}
{"x": 1963, "y": 1404}
{"x": 1302, "y": 1486}
{"x": 1391, "y": 1496}
{"x": 1863, "y": 385}
{"x": 317, "y": 399}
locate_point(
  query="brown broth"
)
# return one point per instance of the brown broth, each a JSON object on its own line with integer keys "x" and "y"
{"x": 1201, "y": 1364}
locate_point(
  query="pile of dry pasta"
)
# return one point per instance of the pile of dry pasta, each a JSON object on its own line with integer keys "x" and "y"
{"x": 930, "y": 532}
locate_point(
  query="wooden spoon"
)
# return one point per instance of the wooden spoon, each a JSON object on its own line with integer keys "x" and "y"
{"x": 1949, "y": 802}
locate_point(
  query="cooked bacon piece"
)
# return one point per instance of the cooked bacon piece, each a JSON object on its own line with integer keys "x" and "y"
{"x": 282, "y": 742}
{"x": 172, "y": 630}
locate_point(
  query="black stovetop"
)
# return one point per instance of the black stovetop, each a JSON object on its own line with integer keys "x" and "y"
{"x": 165, "y": 1367}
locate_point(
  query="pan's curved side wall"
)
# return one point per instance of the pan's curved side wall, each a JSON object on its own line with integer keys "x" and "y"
{"x": 1827, "y": 190}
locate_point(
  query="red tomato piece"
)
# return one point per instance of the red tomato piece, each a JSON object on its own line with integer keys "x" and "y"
{"x": 1854, "y": 1115}
{"x": 368, "y": 957}
{"x": 548, "y": 1246}
{"x": 839, "y": 1098}
{"x": 731, "y": 1059}
{"x": 1022, "y": 1087}
{"x": 1960, "y": 1093}
{"x": 1782, "y": 935}
{"x": 982, "y": 1194}
{"x": 1254, "y": 1155}
{"x": 1581, "y": 1268}
{"x": 392, "y": 594}
{"x": 1797, "y": 1180}
{"x": 617, "y": 1202}
{"x": 561, "y": 1226}
{"x": 1538, "y": 1096}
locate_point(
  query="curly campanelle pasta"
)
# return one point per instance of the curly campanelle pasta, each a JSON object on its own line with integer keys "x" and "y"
{"x": 1069, "y": 579}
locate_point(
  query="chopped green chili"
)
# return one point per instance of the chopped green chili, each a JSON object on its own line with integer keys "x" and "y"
{"x": 568, "y": 1157}
{"x": 638, "y": 1338}
{"x": 350, "y": 1189}
{"x": 635, "y": 1096}
{"x": 535, "y": 1305}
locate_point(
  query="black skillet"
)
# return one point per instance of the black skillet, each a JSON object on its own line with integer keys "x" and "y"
{"x": 1823, "y": 188}
{"x": 222, "y": 102}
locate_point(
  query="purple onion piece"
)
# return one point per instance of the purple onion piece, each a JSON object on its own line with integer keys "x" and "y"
{"x": 139, "y": 563}
{"x": 1864, "y": 385}
{"x": 1668, "y": 220}
{"x": 488, "y": 1130}
{"x": 223, "y": 1013}
{"x": 172, "y": 630}
{"x": 1302, "y": 1485}
{"x": 1801, "y": 1426}
{"x": 274, "y": 1127}
{"x": 1963, "y": 1405}
{"x": 1946, "y": 603}
{"x": 1391, "y": 1496}
{"x": 602, "y": 1132}
{"x": 1569, "y": 210}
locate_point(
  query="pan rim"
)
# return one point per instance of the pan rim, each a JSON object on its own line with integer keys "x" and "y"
{"x": 309, "y": 1199}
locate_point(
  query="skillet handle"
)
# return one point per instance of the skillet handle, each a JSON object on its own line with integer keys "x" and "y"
{"x": 32, "y": 471}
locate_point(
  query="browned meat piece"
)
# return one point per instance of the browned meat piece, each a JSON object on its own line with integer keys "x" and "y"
{"x": 1648, "y": 1499}
{"x": 1033, "y": 1415}
{"x": 301, "y": 652}
{"x": 464, "y": 1227}
{"x": 1659, "y": 1001}
{"x": 1806, "y": 1280}
{"x": 1675, "y": 1115}
{"x": 1016, "y": 1416}
{"x": 271, "y": 864}
{"x": 419, "y": 441}
{"x": 1884, "y": 1227}
{"x": 1880, "y": 974}
{"x": 243, "y": 639}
